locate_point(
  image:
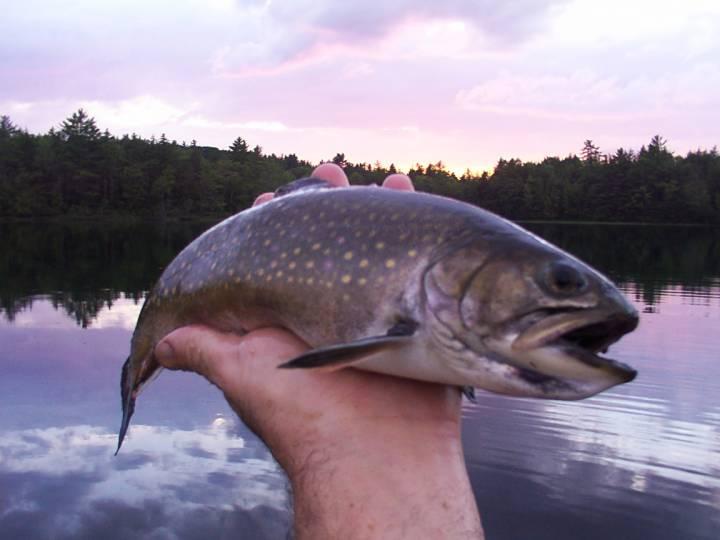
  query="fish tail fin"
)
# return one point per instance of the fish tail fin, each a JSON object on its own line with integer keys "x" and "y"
{"x": 128, "y": 402}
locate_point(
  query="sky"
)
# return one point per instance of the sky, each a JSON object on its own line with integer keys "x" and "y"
{"x": 465, "y": 82}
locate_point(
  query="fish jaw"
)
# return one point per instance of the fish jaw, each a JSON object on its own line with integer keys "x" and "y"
{"x": 527, "y": 320}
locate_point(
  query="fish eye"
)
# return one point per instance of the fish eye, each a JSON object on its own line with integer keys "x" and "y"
{"x": 564, "y": 278}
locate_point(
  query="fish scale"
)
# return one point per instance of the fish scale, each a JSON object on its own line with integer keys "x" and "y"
{"x": 360, "y": 271}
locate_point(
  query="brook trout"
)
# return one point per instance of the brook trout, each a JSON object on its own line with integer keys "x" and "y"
{"x": 396, "y": 282}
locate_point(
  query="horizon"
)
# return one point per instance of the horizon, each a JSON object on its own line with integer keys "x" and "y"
{"x": 394, "y": 82}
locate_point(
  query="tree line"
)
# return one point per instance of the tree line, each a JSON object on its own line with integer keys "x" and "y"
{"x": 79, "y": 170}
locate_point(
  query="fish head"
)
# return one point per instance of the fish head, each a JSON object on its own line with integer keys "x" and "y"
{"x": 522, "y": 317}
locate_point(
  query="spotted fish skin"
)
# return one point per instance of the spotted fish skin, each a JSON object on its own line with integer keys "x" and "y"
{"x": 342, "y": 265}
{"x": 327, "y": 264}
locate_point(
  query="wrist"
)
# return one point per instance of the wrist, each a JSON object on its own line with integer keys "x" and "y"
{"x": 385, "y": 481}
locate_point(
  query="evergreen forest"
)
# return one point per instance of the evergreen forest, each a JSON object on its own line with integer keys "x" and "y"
{"x": 77, "y": 170}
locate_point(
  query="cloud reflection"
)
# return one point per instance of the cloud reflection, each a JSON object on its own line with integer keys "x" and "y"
{"x": 65, "y": 483}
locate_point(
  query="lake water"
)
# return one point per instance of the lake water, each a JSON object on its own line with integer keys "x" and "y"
{"x": 641, "y": 461}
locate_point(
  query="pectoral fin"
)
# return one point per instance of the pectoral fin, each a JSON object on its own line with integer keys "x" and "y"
{"x": 346, "y": 354}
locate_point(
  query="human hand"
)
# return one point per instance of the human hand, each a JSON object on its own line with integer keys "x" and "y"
{"x": 352, "y": 442}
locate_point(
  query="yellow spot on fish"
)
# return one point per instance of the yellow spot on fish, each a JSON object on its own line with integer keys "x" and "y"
{"x": 283, "y": 255}
{"x": 316, "y": 246}
{"x": 309, "y": 264}
{"x": 273, "y": 264}
{"x": 279, "y": 273}
{"x": 213, "y": 265}
{"x": 346, "y": 278}
{"x": 296, "y": 251}
{"x": 269, "y": 278}
{"x": 292, "y": 265}
{"x": 394, "y": 217}
{"x": 390, "y": 263}
{"x": 326, "y": 251}
{"x": 346, "y": 297}
{"x": 364, "y": 263}
{"x": 238, "y": 279}
{"x": 412, "y": 253}
{"x": 260, "y": 271}
{"x": 306, "y": 217}
{"x": 329, "y": 284}
{"x": 380, "y": 279}
{"x": 230, "y": 272}
{"x": 362, "y": 281}
{"x": 379, "y": 245}
{"x": 348, "y": 255}
{"x": 267, "y": 242}
{"x": 310, "y": 280}
{"x": 290, "y": 279}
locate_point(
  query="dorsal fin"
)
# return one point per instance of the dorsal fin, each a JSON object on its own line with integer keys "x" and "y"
{"x": 302, "y": 184}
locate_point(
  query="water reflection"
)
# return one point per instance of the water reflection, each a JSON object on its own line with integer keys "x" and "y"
{"x": 641, "y": 461}
{"x": 84, "y": 269}
{"x": 42, "y": 311}
{"x": 64, "y": 483}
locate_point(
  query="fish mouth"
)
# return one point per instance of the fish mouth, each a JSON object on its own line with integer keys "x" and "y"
{"x": 566, "y": 345}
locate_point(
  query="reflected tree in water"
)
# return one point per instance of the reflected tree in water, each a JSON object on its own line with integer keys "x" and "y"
{"x": 84, "y": 268}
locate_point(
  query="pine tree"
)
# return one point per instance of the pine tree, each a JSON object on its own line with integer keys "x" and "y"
{"x": 590, "y": 153}
{"x": 7, "y": 128}
{"x": 79, "y": 125}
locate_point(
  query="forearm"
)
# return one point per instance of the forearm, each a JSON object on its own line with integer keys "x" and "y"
{"x": 404, "y": 483}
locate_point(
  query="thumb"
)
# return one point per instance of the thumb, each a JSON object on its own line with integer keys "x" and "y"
{"x": 196, "y": 348}
{"x": 228, "y": 360}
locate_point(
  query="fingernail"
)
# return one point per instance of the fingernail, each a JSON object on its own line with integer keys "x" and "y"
{"x": 399, "y": 181}
{"x": 263, "y": 198}
{"x": 164, "y": 352}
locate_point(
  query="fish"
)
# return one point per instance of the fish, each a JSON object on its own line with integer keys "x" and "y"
{"x": 396, "y": 282}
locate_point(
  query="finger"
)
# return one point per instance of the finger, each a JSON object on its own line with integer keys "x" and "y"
{"x": 227, "y": 359}
{"x": 263, "y": 198}
{"x": 195, "y": 348}
{"x": 399, "y": 181}
{"x": 332, "y": 173}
